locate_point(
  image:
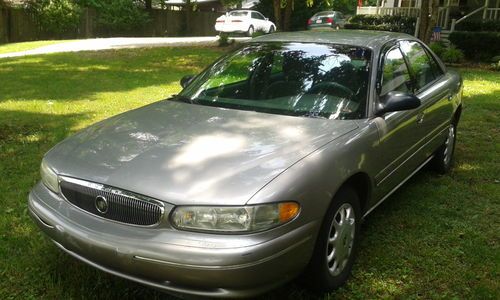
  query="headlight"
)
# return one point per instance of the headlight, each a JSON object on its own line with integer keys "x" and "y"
{"x": 49, "y": 177}
{"x": 234, "y": 218}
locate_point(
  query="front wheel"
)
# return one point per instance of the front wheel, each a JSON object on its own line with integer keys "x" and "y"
{"x": 250, "y": 31}
{"x": 336, "y": 244}
{"x": 271, "y": 29}
{"x": 443, "y": 158}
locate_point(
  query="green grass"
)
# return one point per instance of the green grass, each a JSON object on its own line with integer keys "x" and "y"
{"x": 437, "y": 237}
{"x": 24, "y": 46}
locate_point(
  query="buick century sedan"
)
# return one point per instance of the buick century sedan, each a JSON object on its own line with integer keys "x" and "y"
{"x": 261, "y": 169}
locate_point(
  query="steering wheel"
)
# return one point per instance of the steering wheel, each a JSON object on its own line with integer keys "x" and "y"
{"x": 331, "y": 88}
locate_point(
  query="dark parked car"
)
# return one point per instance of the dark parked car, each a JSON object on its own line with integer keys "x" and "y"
{"x": 327, "y": 19}
{"x": 262, "y": 168}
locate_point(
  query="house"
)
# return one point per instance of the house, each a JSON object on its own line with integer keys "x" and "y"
{"x": 450, "y": 12}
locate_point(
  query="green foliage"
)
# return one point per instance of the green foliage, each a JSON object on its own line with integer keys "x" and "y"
{"x": 384, "y": 23}
{"x": 496, "y": 63}
{"x": 477, "y": 45}
{"x": 56, "y": 16}
{"x": 478, "y": 25}
{"x": 121, "y": 15}
{"x": 452, "y": 55}
{"x": 438, "y": 48}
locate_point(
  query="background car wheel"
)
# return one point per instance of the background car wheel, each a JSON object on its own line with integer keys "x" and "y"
{"x": 443, "y": 158}
{"x": 336, "y": 244}
{"x": 271, "y": 29}
{"x": 250, "y": 31}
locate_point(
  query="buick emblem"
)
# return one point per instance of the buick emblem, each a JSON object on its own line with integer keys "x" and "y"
{"x": 101, "y": 204}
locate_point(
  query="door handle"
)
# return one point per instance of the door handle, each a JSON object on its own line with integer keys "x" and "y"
{"x": 420, "y": 118}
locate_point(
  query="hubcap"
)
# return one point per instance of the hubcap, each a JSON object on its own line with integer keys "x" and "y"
{"x": 448, "y": 145}
{"x": 341, "y": 239}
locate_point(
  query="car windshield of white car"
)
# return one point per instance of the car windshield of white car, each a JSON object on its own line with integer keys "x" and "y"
{"x": 238, "y": 13}
{"x": 297, "y": 79}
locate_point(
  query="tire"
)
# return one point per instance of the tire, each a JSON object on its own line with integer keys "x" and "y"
{"x": 326, "y": 271}
{"x": 271, "y": 29}
{"x": 250, "y": 31}
{"x": 443, "y": 157}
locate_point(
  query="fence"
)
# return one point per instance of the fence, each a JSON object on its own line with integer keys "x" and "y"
{"x": 17, "y": 25}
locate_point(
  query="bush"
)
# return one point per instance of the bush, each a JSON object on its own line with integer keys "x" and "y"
{"x": 56, "y": 16}
{"x": 477, "y": 45}
{"x": 385, "y": 23}
{"x": 452, "y": 55}
{"x": 118, "y": 15}
{"x": 438, "y": 48}
{"x": 476, "y": 25}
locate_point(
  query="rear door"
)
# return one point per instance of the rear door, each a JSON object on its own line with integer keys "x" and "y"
{"x": 434, "y": 91}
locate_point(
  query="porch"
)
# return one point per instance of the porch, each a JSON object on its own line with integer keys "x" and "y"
{"x": 450, "y": 12}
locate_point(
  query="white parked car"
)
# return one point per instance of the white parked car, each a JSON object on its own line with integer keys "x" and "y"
{"x": 244, "y": 21}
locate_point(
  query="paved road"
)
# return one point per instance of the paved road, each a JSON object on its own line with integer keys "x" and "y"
{"x": 118, "y": 43}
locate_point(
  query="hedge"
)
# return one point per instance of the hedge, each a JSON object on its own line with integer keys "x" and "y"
{"x": 385, "y": 23}
{"x": 477, "y": 45}
{"x": 476, "y": 25}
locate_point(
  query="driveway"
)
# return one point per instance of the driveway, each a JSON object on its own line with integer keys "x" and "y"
{"x": 119, "y": 43}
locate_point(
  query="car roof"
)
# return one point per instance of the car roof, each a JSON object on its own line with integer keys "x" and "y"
{"x": 362, "y": 38}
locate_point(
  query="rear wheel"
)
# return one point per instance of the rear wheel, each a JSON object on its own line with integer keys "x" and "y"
{"x": 336, "y": 244}
{"x": 443, "y": 158}
{"x": 250, "y": 31}
{"x": 271, "y": 29}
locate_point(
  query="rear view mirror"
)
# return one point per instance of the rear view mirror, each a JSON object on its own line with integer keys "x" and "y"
{"x": 397, "y": 101}
{"x": 186, "y": 80}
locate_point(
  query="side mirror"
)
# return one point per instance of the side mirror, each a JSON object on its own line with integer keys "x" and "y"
{"x": 397, "y": 101}
{"x": 267, "y": 19}
{"x": 186, "y": 80}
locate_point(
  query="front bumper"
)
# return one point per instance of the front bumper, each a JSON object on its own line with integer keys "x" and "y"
{"x": 171, "y": 260}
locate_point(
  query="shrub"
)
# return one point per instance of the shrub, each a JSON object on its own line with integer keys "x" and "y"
{"x": 452, "y": 55}
{"x": 56, "y": 16}
{"x": 385, "y": 23}
{"x": 438, "y": 48}
{"x": 479, "y": 25}
{"x": 118, "y": 15}
{"x": 477, "y": 45}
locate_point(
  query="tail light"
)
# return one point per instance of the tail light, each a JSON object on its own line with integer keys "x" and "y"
{"x": 219, "y": 21}
{"x": 309, "y": 22}
{"x": 329, "y": 20}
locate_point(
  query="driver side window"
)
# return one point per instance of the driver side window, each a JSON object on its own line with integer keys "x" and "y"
{"x": 395, "y": 74}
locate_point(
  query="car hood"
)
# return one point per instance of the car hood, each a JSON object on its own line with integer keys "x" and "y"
{"x": 191, "y": 154}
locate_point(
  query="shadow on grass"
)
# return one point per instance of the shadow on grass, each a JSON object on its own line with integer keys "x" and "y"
{"x": 70, "y": 76}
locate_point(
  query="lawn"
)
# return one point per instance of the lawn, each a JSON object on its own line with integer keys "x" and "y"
{"x": 16, "y": 47}
{"x": 437, "y": 237}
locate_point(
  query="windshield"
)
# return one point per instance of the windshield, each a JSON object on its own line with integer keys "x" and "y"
{"x": 297, "y": 79}
{"x": 323, "y": 14}
{"x": 238, "y": 13}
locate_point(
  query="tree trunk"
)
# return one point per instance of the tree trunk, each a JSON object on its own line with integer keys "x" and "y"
{"x": 433, "y": 20}
{"x": 428, "y": 19}
{"x": 277, "y": 13}
{"x": 187, "y": 16}
{"x": 148, "y": 4}
{"x": 424, "y": 20}
{"x": 288, "y": 15}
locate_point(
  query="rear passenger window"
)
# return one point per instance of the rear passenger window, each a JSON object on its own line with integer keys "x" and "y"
{"x": 420, "y": 63}
{"x": 395, "y": 75}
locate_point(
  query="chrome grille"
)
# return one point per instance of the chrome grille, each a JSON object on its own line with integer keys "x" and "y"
{"x": 122, "y": 206}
